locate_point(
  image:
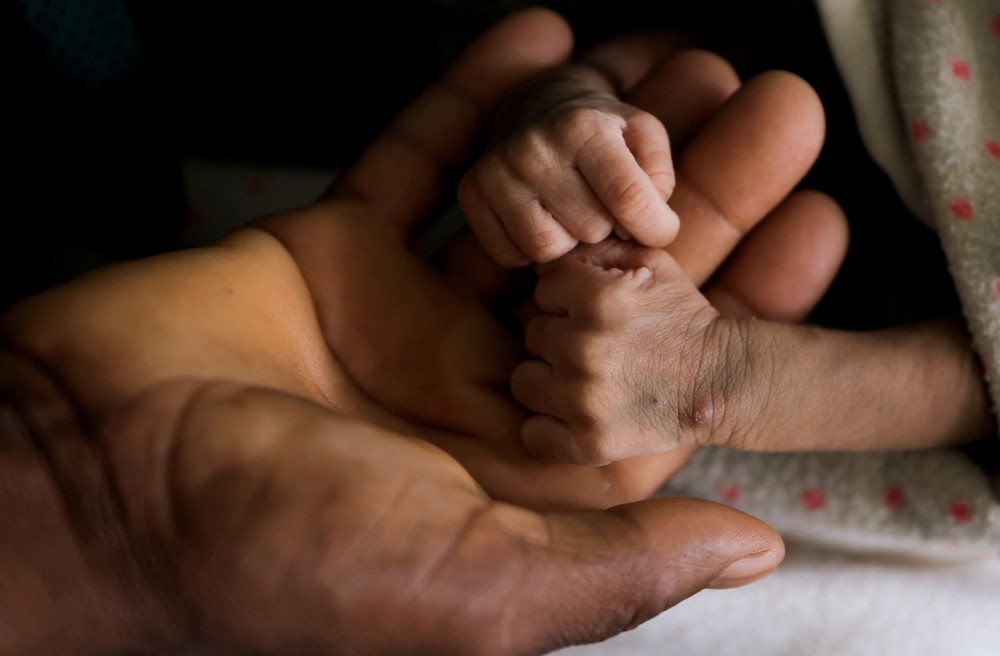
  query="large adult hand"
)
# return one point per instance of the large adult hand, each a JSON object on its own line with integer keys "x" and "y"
{"x": 195, "y": 458}
{"x": 449, "y": 369}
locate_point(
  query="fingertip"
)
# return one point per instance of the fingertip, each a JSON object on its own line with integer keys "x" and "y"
{"x": 521, "y": 44}
{"x": 828, "y": 217}
{"x": 734, "y": 548}
{"x": 800, "y": 108}
{"x": 746, "y": 571}
{"x": 547, "y": 245}
{"x": 671, "y": 227}
{"x": 657, "y": 231}
{"x": 643, "y": 558}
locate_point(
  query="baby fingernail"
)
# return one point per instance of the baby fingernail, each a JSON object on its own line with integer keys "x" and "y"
{"x": 748, "y": 570}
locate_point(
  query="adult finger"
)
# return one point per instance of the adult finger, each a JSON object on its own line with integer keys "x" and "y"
{"x": 306, "y": 512}
{"x": 468, "y": 269}
{"x": 783, "y": 267}
{"x": 745, "y": 160}
{"x": 404, "y": 170}
{"x": 589, "y": 575}
{"x": 685, "y": 91}
{"x": 487, "y": 226}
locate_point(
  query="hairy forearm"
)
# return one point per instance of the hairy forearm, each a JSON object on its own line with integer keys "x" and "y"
{"x": 68, "y": 584}
{"x": 805, "y": 388}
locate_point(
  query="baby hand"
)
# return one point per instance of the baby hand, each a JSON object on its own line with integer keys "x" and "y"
{"x": 632, "y": 358}
{"x": 573, "y": 173}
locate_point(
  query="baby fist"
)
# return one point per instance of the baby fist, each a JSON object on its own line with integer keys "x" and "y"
{"x": 632, "y": 359}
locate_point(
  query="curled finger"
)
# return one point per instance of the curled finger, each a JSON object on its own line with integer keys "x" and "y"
{"x": 486, "y": 224}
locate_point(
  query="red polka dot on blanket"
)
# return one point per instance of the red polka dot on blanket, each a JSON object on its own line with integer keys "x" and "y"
{"x": 961, "y": 208}
{"x": 960, "y": 69}
{"x": 960, "y": 512}
{"x": 919, "y": 130}
{"x": 813, "y": 499}
{"x": 730, "y": 493}
{"x": 894, "y": 497}
{"x": 992, "y": 148}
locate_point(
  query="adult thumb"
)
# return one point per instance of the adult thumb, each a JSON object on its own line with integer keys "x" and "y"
{"x": 595, "y": 574}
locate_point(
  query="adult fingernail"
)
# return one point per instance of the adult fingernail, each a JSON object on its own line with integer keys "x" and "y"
{"x": 748, "y": 570}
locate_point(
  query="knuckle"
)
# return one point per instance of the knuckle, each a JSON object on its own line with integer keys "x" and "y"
{"x": 665, "y": 181}
{"x": 526, "y": 156}
{"x": 520, "y": 150}
{"x": 575, "y": 121}
{"x": 594, "y": 229}
{"x": 546, "y": 244}
{"x": 628, "y": 198}
{"x": 648, "y": 124}
{"x": 586, "y": 353}
{"x": 594, "y": 445}
{"x": 606, "y": 303}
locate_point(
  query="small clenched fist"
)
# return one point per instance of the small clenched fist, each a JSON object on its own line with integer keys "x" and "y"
{"x": 632, "y": 359}
{"x": 585, "y": 167}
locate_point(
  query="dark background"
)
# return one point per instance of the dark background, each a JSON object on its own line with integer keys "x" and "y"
{"x": 107, "y": 95}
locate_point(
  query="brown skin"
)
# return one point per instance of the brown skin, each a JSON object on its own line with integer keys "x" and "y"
{"x": 207, "y": 451}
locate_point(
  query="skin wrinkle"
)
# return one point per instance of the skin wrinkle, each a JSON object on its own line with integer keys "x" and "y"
{"x": 172, "y": 494}
{"x": 321, "y": 381}
{"x": 494, "y": 633}
{"x": 67, "y": 490}
{"x": 592, "y": 230}
{"x": 695, "y": 410}
{"x": 125, "y": 554}
{"x": 431, "y": 571}
{"x": 702, "y": 199}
